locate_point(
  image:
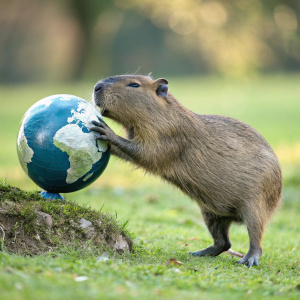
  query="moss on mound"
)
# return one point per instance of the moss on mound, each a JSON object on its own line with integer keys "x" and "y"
{"x": 32, "y": 225}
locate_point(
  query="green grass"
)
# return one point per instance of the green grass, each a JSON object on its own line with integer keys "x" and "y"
{"x": 166, "y": 226}
{"x": 166, "y": 223}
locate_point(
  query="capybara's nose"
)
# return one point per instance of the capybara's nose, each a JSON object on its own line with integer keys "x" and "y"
{"x": 98, "y": 87}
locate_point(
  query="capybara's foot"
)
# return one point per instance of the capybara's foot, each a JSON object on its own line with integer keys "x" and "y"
{"x": 209, "y": 251}
{"x": 251, "y": 258}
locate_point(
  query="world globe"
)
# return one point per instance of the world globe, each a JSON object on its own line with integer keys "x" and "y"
{"x": 55, "y": 147}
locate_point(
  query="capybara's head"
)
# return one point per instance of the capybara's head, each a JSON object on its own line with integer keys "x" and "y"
{"x": 130, "y": 96}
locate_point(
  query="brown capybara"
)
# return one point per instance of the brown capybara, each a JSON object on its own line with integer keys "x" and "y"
{"x": 222, "y": 163}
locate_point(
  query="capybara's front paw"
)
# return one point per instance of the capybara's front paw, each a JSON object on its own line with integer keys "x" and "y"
{"x": 106, "y": 133}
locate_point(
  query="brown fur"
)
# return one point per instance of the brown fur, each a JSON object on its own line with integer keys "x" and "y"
{"x": 222, "y": 163}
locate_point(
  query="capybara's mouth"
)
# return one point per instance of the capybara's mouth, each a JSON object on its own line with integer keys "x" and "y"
{"x": 98, "y": 102}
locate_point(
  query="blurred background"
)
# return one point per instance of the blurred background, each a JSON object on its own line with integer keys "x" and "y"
{"x": 236, "y": 58}
{"x": 75, "y": 39}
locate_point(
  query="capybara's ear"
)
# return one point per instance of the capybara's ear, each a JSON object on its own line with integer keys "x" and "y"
{"x": 162, "y": 87}
{"x": 161, "y": 80}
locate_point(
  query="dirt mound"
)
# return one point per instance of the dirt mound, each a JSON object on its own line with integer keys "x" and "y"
{"x": 32, "y": 225}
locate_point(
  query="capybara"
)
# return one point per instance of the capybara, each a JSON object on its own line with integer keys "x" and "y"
{"x": 222, "y": 163}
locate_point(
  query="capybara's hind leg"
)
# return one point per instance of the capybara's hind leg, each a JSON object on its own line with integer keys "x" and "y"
{"x": 219, "y": 229}
{"x": 255, "y": 227}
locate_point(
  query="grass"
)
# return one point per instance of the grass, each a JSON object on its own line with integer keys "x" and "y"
{"x": 166, "y": 224}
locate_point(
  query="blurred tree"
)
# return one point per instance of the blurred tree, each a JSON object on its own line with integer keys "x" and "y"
{"x": 38, "y": 40}
{"x": 47, "y": 39}
{"x": 87, "y": 13}
{"x": 140, "y": 46}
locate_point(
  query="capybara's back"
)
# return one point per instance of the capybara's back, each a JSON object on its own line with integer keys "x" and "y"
{"x": 227, "y": 167}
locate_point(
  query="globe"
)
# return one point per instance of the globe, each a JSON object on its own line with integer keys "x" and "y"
{"x": 55, "y": 147}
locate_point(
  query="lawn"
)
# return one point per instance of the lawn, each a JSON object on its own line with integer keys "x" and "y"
{"x": 166, "y": 224}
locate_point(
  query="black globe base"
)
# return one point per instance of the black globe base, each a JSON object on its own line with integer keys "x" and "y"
{"x": 52, "y": 196}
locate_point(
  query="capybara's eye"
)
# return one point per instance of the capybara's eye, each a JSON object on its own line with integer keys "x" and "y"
{"x": 133, "y": 84}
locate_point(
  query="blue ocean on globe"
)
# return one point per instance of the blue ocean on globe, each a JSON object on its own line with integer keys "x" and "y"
{"x": 55, "y": 146}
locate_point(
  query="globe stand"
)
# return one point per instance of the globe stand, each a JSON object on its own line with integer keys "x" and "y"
{"x": 52, "y": 196}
